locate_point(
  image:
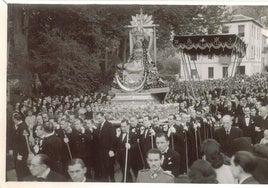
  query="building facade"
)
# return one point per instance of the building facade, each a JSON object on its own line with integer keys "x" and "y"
{"x": 216, "y": 67}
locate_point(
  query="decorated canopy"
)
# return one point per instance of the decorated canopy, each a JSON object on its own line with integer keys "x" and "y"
{"x": 224, "y": 44}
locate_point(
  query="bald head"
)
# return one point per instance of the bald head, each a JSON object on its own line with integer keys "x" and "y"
{"x": 263, "y": 111}
{"x": 226, "y": 121}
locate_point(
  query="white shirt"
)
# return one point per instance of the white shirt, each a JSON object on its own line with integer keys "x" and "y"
{"x": 224, "y": 175}
{"x": 247, "y": 120}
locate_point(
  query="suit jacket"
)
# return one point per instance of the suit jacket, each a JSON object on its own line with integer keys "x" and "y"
{"x": 263, "y": 124}
{"x": 226, "y": 141}
{"x": 248, "y": 130}
{"x": 250, "y": 180}
{"x": 52, "y": 147}
{"x": 171, "y": 162}
{"x": 120, "y": 146}
{"x": 261, "y": 171}
{"x": 51, "y": 177}
{"x": 79, "y": 144}
{"x": 105, "y": 141}
{"x": 146, "y": 141}
{"x": 18, "y": 141}
{"x": 179, "y": 139}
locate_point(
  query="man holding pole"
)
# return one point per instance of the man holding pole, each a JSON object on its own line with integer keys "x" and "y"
{"x": 147, "y": 140}
{"x": 126, "y": 144}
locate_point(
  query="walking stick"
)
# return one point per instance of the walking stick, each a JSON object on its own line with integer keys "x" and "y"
{"x": 196, "y": 144}
{"x": 205, "y": 131}
{"x": 68, "y": 147}
{"x": 186, "y": 152}
{"x": 199, "y": 135}
{"x": 172, "y": 141}
{"x": 142, "y": 160}
{"x": 25, "y": 134}
{"x": 126, "y": 160}
{"x": 152, "y": 139}
{"x": 211, "y": 129}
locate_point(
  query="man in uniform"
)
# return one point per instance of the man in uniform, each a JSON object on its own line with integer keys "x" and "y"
{"x": 155, "y": 174}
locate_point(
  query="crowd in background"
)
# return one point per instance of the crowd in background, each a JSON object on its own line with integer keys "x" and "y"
{"x": 206, "y": 123}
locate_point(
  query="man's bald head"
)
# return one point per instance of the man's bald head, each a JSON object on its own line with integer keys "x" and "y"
{"x": 226, "y": 121}
{"x": 263, "y": 111}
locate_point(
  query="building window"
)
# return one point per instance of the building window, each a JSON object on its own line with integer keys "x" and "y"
{"x": 210, "y": 72}
{"x": 241, "y": 70}
{"x": 194, "y": 73}
{"x": 225, "y": 29}
{"x": 224, "y": 72}
{"x": 241, "y": 30}
{"x": 193, "y": 57}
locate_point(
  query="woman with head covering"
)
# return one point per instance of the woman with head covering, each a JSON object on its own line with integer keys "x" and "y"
{"x": 201, "y": 171}
{"x": 212, "y": 154}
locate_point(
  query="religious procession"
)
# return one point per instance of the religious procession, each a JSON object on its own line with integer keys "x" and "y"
{"x": 199, "y": 127}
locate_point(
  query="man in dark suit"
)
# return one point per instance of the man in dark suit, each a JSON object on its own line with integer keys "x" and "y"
{"x": 18, "y": 146}
{"x": 147, "y": 139}
{"x": 226, "y": 134}
{"x": 139, "y": 161}
{"x": 52, "y": 147}
{"x": 80, "y": 141}
{"x": 247, "y": 124}
{"x": 126, "y": 142}
{"x": 243, "y": 163}
{"x": 40, "y": 171}
{"x": 170, "y": 158}
{"x": 105, "y": 149}
{"x": 261, "y": 123}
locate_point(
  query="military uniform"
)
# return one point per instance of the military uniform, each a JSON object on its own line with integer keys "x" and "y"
{"x": 147, "y": 176}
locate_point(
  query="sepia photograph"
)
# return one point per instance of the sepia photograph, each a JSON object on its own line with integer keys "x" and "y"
{"x": 171, "y": 93}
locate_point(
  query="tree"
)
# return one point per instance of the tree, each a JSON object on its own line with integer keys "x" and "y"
{"x": 66, "y": 44}
{"x": 19, "y": 70}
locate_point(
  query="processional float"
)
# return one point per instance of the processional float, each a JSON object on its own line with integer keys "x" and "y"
{"x": 138, "y": 80}
{"x": 216, "y": 45}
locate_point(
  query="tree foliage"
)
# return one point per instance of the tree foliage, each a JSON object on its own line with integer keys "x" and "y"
{"x": 66, "y": 44}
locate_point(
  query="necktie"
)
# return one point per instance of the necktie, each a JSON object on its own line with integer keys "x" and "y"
{"x": 145, "y": 134}
{"x": 123, "y": 136}
{"x": 100, "y": 129}
{"x": 163, "y": 158}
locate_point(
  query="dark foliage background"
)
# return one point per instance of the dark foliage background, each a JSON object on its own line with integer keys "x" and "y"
{"x": 62, "y": 49}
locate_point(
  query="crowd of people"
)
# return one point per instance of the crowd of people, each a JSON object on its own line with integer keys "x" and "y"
{"x": 211, "y": 132}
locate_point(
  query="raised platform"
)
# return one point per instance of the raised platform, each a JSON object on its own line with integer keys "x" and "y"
{"x": 156, "y": 95}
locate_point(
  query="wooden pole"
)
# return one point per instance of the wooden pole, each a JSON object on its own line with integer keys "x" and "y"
{"x": 126, "y": 161}
{"x": 155, "y": 46}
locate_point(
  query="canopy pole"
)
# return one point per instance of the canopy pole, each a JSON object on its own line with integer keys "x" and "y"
{"x": 182, "y": 60}
{"x": 189, "y": 78}
{"x": 198, "y": 76}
